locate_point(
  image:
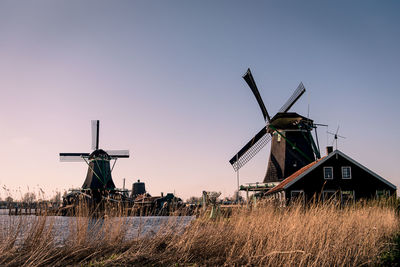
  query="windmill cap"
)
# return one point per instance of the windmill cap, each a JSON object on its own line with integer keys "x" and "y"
{"x": 288, "y": 120}
{"x": 99, "y": 154}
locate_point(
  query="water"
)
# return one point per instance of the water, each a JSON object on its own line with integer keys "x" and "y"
{"x": 63, "y": 227}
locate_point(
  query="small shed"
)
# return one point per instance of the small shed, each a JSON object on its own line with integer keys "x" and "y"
{"x": 333, "y": 177}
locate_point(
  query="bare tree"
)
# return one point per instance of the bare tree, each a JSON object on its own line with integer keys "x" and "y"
{"x": 194, "y": 200}
{"x": 56, "y": 198}
{"x": 29, "y": 197}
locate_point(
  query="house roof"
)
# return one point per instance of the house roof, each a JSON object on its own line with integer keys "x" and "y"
{"x": 292, "y": 177}
{"x": 310, "y": 167}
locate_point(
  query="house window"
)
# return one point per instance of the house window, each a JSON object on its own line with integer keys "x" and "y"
{"x": 347, "y": 197}
{"x": 329, "y": 196}
{"x": 346, "y": 172}
{"x": 279, "y": 137}
{"x": 328, "y": 172}
{"x": 297, "y": 195}
{"x": 382, "y": 194}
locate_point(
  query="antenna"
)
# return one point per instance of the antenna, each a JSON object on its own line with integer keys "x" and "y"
{"x": 335, "y": 136}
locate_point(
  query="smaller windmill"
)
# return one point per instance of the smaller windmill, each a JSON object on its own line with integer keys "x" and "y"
{"x": 335, "y": 136}
{"x": 99, "y": 170}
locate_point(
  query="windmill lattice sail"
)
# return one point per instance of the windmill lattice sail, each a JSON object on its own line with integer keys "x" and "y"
{"x": 295, "y": 96}
{"x": 258, "y": 142}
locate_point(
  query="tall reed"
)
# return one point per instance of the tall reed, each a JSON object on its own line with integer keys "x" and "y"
{"x": 318, "y": 235}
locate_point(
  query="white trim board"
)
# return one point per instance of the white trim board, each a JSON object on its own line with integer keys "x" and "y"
{"x": 337, "y": 152}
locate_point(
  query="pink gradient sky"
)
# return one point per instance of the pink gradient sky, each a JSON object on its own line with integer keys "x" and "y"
{"x": 165, "y": 81}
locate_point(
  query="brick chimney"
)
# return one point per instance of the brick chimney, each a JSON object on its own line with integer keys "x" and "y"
{"x": 329, "y": 149}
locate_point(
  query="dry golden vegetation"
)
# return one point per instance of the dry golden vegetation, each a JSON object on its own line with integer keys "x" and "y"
{"x": 319, "y": 235}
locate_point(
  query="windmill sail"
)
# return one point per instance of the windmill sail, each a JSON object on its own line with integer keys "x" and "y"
{"x": 248, "y": 77}
{"x": 118, "y": 153}
{"x": 95, "y": 134}
{"x": 250, "y": 149}
{"x": 295, "y": 96}
{"x": 73, "y": 157}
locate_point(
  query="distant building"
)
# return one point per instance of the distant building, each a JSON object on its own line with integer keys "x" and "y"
{"x": 333, "y": 177}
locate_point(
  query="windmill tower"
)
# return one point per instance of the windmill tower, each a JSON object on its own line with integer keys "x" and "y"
{"x": 98, "y": 176}
{"x": 292, "y": 144}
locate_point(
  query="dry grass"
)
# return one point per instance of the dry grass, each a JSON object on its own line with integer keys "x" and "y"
{"x": 321, "y": 235}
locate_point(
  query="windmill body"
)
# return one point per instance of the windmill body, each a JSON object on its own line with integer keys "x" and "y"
{"x": 292, "y": 144}
{"x": 99, "y": 172}
{"x": 290, "y": 149}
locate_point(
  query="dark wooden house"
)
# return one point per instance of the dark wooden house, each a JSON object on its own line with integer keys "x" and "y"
{"x": 334, "y": 177}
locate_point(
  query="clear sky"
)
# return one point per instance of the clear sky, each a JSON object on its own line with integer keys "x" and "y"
{"x": 165, "y": 80}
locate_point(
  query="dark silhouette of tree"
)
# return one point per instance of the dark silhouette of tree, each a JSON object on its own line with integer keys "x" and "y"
{"x": 29, "y": 197}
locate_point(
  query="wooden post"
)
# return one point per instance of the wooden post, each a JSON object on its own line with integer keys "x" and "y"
{"x": 247, "y": 197}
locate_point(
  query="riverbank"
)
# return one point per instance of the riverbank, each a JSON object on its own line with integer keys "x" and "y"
{"x": 321, "y": 235}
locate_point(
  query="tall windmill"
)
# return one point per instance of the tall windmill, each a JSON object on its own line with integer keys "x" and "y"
{"x": 292, "y": 144}
{"x": 99, "y": 170}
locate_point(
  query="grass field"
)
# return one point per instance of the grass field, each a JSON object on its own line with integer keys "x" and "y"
{"x": 319, "y": 235}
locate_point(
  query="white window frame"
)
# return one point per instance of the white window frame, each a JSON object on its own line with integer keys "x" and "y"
{"x": 328, "y": 167}
{"x": 341, "y": 196}
{"x": 349, "y": 170}
{"x": 327, "y": 191}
